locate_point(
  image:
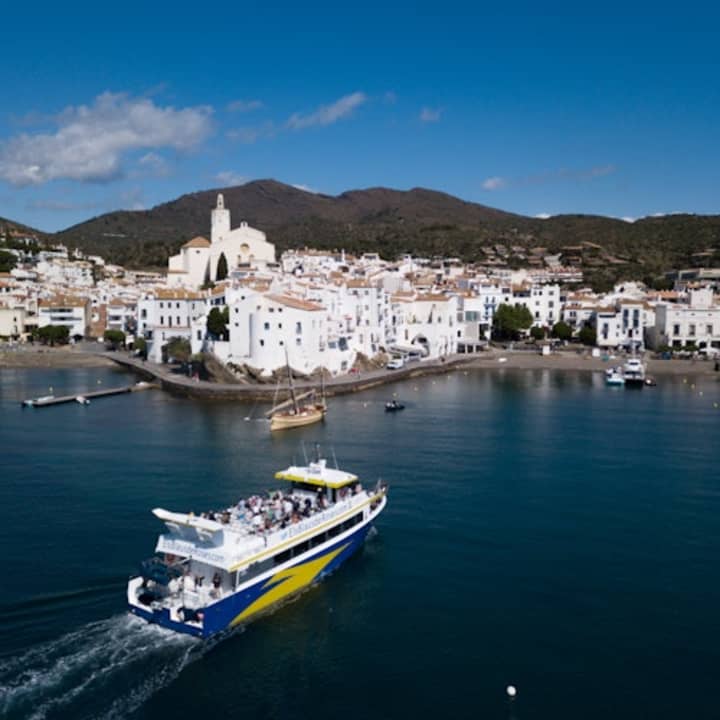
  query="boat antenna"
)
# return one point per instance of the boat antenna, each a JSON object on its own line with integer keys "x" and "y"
{"x": 335, "y": 458}
{"x": 304, "y": 452}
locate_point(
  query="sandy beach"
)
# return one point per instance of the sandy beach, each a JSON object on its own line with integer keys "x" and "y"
{"x": 584, "y": 361}
{"x": 37, "y": 356}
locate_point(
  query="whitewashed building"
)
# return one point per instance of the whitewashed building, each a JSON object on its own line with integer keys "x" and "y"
{"x": 165, "y": 314}
{"x": 72, "y": 312}
{"x": 267, "y": 331}
{"x": 695, "y": 322}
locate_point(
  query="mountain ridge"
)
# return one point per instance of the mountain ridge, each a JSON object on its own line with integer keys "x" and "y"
{"x": 389, "y": 221}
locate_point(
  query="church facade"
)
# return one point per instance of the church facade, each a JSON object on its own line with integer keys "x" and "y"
{"x": 200, "y": 261}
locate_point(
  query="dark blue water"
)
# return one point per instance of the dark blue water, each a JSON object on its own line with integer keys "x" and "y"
{"x": 542, "y": 530}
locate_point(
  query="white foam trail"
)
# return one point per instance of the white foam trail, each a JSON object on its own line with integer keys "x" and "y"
{"x": 94, "y": 671}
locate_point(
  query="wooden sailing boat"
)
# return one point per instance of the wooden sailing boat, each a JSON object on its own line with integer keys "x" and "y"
{"x": 298, "y": 410}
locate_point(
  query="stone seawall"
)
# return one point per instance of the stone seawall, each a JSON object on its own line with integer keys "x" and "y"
{"x": 201, "y": 389}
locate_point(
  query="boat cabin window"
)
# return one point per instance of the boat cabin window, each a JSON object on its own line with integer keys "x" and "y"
{"x": 306, "y": 487}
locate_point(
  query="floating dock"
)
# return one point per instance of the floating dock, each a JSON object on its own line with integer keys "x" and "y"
{"x": 84, "y": 398}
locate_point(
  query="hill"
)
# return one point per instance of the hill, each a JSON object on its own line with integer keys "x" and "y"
{"x": 421, "y": 221}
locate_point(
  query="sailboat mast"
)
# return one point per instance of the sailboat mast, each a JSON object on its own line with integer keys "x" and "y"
{"x": 290, "y": 384}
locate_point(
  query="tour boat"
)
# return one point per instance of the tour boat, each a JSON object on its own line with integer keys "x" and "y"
{"x": 634, "y": 373}
{"x": 217, "y": 570}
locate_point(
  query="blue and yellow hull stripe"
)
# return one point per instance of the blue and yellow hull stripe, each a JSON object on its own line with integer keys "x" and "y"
{"x": 266, "y": 592}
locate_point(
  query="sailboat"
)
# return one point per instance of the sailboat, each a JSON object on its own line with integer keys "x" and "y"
{"x": 298, "y": 410}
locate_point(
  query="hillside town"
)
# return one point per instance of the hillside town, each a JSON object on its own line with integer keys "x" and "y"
{"x": 230, "y": 297}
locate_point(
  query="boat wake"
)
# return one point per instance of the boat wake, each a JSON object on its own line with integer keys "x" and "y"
{"x": 105, "y": 669}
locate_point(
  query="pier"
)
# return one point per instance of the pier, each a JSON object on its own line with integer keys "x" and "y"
{"x": 84, "y": 398}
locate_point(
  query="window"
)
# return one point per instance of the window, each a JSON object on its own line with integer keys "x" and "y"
{"x": 298, "y": 328}
{"x": 161, "y": 306}
{"x": 708, "y": 329}
{"x": 266, "y": 326}
{"x": 298, "y": 341}
{"x": 282, "y": 342}
{"x": 691, "y": 330}
{"x": 279, "y": 326}
{"x": 676, "y": 329}
{"x": 301, "y": 548}
{"x": 178, "y": 319}
{"x": 262, "y": 343}
{"x": 177, "y": 305}
{"x": 162, "y": 319}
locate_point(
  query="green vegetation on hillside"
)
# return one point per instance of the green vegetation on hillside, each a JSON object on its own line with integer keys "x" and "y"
{"x": 422, "y": 222}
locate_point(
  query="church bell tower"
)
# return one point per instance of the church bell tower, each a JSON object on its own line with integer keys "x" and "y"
{"x": 219, "y": 220}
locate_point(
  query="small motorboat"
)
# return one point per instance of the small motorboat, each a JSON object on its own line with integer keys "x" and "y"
{"x": 614, "y": 377}
{"x": 393, "y": 406}
{"x": 82, "y": 400}
{"x": 650, "y": 381}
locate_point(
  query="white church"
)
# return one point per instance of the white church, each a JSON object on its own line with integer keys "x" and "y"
{"x": 200, "y": 260}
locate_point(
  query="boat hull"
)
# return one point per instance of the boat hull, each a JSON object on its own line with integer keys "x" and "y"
{"x": 265, "y": 593}
{"x": 307, "y": 416}
{"x": 634, "y": 382}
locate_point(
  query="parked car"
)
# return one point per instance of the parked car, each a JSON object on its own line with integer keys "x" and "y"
{"x": 395, "y": 364}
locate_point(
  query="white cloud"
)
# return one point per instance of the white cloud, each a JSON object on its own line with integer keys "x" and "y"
{"x": 598, "y": 171}
{"x": 494, "y": 183}
{"x": 133, "y": 199}
{"x": 327, "y": 114}
{"x": 228, "y": 178}
{"x": 91, "y": 140}
{"x": 430, "y": 115}
{"x": 305, "y": 188}
{"x": 543, "y": 216}
{"x": 154, "y": 164}
{"x": 62, "y": 205}
{"x": 250, "y": 135}
{"x": 243, "y": 106}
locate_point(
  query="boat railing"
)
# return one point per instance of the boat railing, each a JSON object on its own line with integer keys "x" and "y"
{"x": 277, "y": 537}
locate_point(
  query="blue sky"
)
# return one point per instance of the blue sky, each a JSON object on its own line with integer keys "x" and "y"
{"x": 611, "y": 110}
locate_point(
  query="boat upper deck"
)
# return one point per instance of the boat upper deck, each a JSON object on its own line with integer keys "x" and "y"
{"x": 258, "y": 527}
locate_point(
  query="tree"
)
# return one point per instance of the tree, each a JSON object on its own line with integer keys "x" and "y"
{"x": 114, "y": 338}
{"x": 7, "y": 261}
{"x": 140, "y": 347}
{"x": 178, "y": 348}
{"x": 217, "y": 323}
{"x": 509, "y": 320}
{"x": 537, "y": 333}
{"x": 562, "y": 331}
{"x": 587, "y": 335}
{"x": 53, "y": 334}
{"x": 222, "y": 268}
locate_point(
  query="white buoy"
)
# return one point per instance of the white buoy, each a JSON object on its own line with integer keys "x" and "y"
{"x": 511, "y": 691}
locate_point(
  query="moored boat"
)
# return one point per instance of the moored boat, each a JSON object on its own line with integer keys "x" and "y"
{"x": 634, "y": 373}
{"x": 298, "y": 416}
{"x": 614, "y": 377}
{"x": 298, "y": 410}
{"x": 393, "y": 406}
{"x": 217, "y": 570}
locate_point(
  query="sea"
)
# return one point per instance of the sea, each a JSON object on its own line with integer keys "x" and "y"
{"x": 543, "y": 531}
